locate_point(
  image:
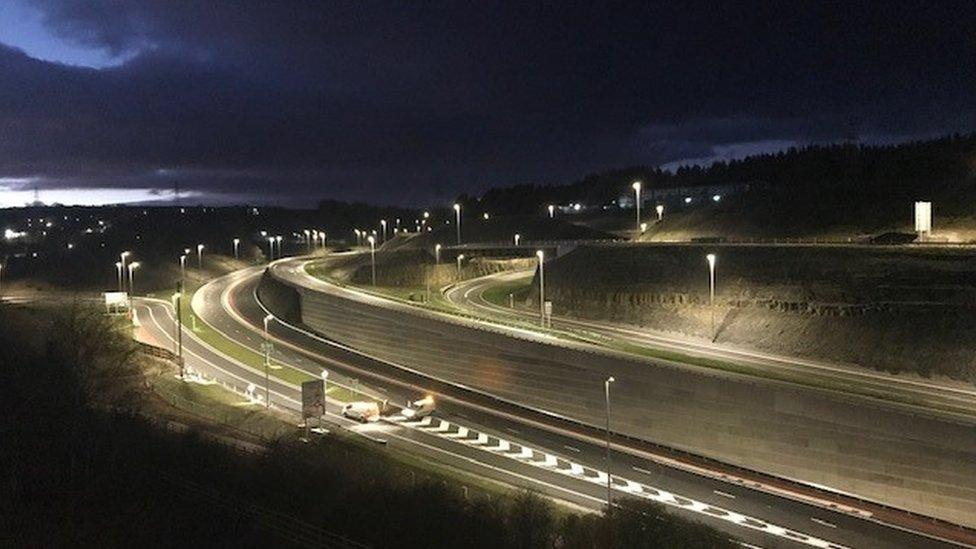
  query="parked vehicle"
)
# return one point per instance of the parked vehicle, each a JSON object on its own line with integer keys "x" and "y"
{"x": 419, "y": 408}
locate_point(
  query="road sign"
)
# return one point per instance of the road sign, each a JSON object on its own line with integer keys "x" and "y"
{"x": 115, "y": 301}
{"x": 313, "y": 398}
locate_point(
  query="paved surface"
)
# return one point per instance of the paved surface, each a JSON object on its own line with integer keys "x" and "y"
{"x": 512, "y": 451}
{"x": 920, "y": 463}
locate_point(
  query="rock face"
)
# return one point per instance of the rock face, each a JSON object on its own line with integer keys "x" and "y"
{"x": 896, "y": 309}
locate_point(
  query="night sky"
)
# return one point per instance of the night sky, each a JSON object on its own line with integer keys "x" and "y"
{"x": 411, "y": 103}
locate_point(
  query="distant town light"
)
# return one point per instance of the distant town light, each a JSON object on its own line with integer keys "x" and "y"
{"x": 716, "y": 197}
{"x": 687, "y": 200}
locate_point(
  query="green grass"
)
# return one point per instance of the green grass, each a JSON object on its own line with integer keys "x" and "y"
{"x": 498, "y": 293}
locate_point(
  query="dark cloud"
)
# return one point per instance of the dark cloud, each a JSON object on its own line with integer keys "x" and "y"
{"x": 413, "y": 102}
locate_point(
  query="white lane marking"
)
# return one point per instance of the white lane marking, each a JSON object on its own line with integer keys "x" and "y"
{"x": 723, "y": 494}
{"x": 513, "y": 431}
{"x": 589, "y": 474}
{"x": 823, "y": 522}
{"x": 572, "y": 448}
{"x": 639, "y": 470}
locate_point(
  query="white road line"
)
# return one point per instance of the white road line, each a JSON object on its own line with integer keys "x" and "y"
{"x": 639, "y": 470}
{"x": 823, "y": 522}
{"x": 572, "y": 448}
{"x": 723, "y": 494}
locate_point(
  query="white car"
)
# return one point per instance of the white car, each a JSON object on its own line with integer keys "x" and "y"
{"x": 366, "y": 412}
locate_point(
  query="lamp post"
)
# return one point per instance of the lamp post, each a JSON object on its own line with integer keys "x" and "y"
{"x": 372, "y": 256}
{"x": 459, "y": 259}
{"x": 1, "y": 282}
{"x": 660, "y": 212}
{"x": 383, "y": 224}
{"x": 325, "y": 394}
{"x": 637, "y": 200}
{"x": 182, "y": 267}
{"x": 606, "y": 391}
{"x": 237, "y": 244}
{"x": 278, "y": 241}
{"x": 710, "y": 258}
{"x": 437, "y": 254}
{"x": 542, "y": 287}
{"x": 457, "y": 214}
{"x": 552, "y": 211}
{"x": 199, "y": 256}
{"x": 122, "y": 257}
{"x": 132, "y": 267}
{"x": 517, "y": 238}
{"x": 267, "y": 363}
{"x": 118, "y": 271}
{"x": 178, "y": 306}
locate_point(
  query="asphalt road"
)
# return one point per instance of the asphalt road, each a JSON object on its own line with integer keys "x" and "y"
{"x": 936, "y": 395}
{"x": 229, "y": 305}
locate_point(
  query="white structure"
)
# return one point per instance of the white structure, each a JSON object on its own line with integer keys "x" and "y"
{"x": 923, "y": 218}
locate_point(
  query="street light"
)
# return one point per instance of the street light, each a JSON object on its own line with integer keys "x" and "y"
{"x": 542, "y": 287}
{"x": 237, "y": 243}
{"x": 660, "y": 211}
{"x": 485, "y": 216}
{"x": 637, "y": 200}
{"x": 267, "y": 363}
{"x": 710, "y": 258}
{"x": 552, "y": 211}
{"x": 132, "y": 266}
{"x": 457, "y": 212}
{"x": 122, "y": 257}
{"x": 517, "y": 238}
{"x": 182, "y": 267}
{"x": 606, "y": 389}
{"x": 1, "y": 282}
{"x": 178, "y": 305}
{"x": 325, "y": 393}
{"x": 278, "y": 240}
{"x": 459, "y": 258}
{"x": 437, "y": 254}
{"x": 199, "y": 256}
{"x": 383, "y": 223}
{"x": 118, "y": 269}
{"x": 372, "y": 256}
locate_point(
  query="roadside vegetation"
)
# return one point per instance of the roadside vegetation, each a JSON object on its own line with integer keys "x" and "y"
{"x": 86, "y": 460}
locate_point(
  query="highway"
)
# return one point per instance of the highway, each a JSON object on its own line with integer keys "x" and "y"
{"x": 935, "y": 395}
{"x": 561, "y": 464}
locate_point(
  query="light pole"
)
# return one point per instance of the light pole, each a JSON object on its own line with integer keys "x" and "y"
{"x": 552, "y": 211}
{"x": 460, "y": 258}
{"x": 278, "y": 240}
{"x": 437, "y": 254}
{"x": 182, "y": 267}
{"x": 710, "y": 258}
{"x": 267, "y": 363}
{"x": 542, "y": 287}
{"x": 122, "y": 257}
{"x": 325, "y": 394}
{"x": 237, "y": 245}
{"x": 606, "y": 390}
{"x": 200, "y": 256}
{"x": 660, "y": 211}
{"x": 1, "y": 282}
{"x": 457, "y": 214}
{"x": 517, "y": 238}
{"x": 372, "y": 256}
{"x": 637, "y": 200}
{"x": 118, "y": 270}
{"x": 270, "y": 249}
{"x": 178, "y": 305}
{"x": 383, "y": 223}
{"x": 132, "y": 266}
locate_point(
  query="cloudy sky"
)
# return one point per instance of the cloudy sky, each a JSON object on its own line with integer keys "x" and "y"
{"x": 413, "y": 102}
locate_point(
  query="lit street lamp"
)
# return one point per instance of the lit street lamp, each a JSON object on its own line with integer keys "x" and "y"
{"x": 637, "y": 200}
{"x": 278, "y": 240}
{"x": 267, "y": 363}
{"x": 199, "y": 256}
{"x": 372, "y": 256}
{"x": 178, "y": 306}
{"x": 118, "y": 269}
{"x": 383, "y": 224}
{"x": 122, "y": 257}
{"x": 552, "y": 211}
{"x": 711, "y": 290}
{"x": 237, "y": 244}
{"x": 542, "y": 287}
{"x": 517, "y": 238}
{"x": 437, "y": 254}
{"x": 457, "y": 212}
{"x": 459, "y": 259}
{"x": 325, "y": 393}
{"x": 270, "y": 249}
{"x": 606, "y": 389}
{"x": 182, "y": 267}
{"x": 660, "y": 211}
{"x": 132, "y": 266}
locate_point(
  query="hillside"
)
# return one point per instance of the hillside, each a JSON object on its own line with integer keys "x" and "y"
{"x": 895, "y": 309}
